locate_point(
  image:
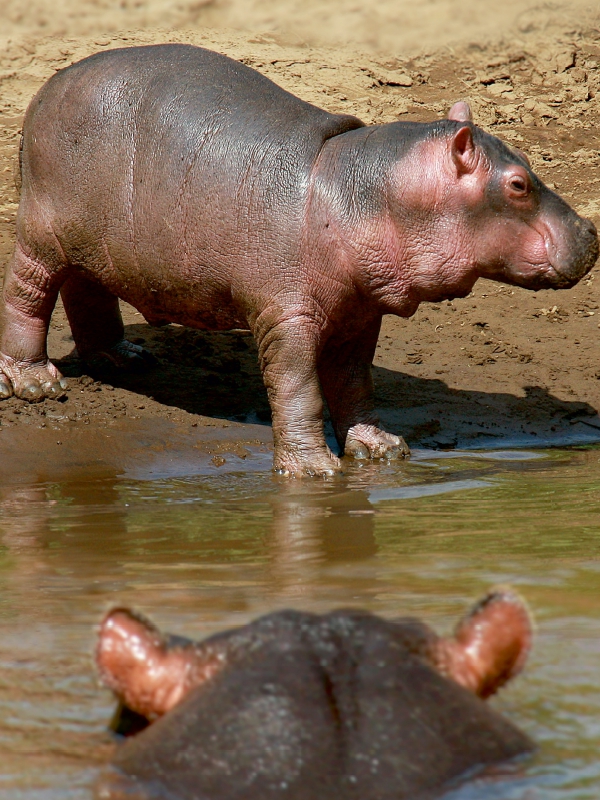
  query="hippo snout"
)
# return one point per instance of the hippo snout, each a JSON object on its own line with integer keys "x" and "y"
{"x": 574, "y": 258}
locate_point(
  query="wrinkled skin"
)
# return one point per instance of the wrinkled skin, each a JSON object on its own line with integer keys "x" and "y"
{"x": 346, "y": 706}
{"x": 197, "y": 190}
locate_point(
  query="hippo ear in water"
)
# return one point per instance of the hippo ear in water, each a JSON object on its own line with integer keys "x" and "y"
{"x": 460, "y": 112}
{"x": 148, "y": 672}
{"x": 491, "y": 644}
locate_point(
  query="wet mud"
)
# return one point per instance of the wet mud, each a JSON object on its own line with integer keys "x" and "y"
{"x": 207, "y": 386}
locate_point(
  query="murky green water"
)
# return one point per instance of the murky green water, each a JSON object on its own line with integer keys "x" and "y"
{"x": 200, "y": 554}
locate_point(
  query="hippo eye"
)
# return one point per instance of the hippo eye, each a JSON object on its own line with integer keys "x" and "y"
{"x": 519, "y": 185}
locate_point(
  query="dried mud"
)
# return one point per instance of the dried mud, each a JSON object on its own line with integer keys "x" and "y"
{"x": 502, "y": 365}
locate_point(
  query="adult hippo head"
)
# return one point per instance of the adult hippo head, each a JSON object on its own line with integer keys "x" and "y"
{"x": 295, "y": 706}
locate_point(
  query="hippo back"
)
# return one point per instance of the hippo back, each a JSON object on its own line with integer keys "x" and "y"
{"x": 174, "y": 160}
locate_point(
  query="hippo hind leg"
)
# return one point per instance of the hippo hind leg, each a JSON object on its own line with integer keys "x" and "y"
{"x": 29, "y": 294}
{"x": 97, "y": 327}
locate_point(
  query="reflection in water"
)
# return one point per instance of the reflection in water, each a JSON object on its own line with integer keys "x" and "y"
{"x": 24, "y": 516}
{"x": 412, "y": 492}
{"x": 202, "y": 554}
{"x": 311, "y": 528}
{"x": 34, "y": 520}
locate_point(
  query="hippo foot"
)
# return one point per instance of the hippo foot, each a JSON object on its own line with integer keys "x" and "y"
{"x": 368, "y": 441}
{"x": 32, "y": 382}
{"x": 123, "y": 357}
{"x": 309, "y": 464}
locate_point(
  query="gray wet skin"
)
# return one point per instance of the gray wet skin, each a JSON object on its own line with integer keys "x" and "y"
{"x": 200, "y": 192}
{"x": 345, "y": 706}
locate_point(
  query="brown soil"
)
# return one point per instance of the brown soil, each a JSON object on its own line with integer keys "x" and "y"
{"x": 501, "y": 366}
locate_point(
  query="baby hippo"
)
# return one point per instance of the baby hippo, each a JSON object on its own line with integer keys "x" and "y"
{"x": 296, "y": 706}
{"x": 200, "y": 192}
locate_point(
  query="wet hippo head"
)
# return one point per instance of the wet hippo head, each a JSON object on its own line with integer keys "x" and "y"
{"x": 524, "y": 233}
{"x": 300, "y": 706}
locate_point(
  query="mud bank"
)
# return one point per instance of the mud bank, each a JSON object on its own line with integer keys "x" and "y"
{"x": 500, "y": 366}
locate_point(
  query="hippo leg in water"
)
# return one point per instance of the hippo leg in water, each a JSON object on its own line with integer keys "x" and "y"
{"x": 299, "y": 706}
{"x": 198, "y": 191}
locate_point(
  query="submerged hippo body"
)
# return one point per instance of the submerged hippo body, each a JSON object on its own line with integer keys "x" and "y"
{"x": 200, "y": 192}
{"x": 345, "y": 706}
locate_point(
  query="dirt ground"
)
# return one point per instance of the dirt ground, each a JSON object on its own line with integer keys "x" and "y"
{"x": 501, "y": 366}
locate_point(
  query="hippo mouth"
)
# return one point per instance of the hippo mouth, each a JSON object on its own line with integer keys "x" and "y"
{"x": 557, "y": 261}
{"x": 561, "y": 281}
{"x": 544, "y": 277}
{"x": 573, "y": 260}
{"x": 569, "y": 273}
{"x": 549, "y": 276}
{"x": 550, "y": 255}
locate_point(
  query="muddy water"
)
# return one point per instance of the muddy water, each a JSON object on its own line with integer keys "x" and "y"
{"x": 210, "y": 551}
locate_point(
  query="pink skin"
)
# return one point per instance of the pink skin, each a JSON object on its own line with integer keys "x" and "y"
{"x": 311, "y": 276}
{"x": 489, "y": 648}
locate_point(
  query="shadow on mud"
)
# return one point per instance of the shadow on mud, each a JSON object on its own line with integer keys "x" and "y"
{"x": 217, "y": 375}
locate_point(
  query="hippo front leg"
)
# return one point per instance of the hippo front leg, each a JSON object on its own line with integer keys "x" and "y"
{"x": 288, "y": 359}
{"x": 345, "y": 375}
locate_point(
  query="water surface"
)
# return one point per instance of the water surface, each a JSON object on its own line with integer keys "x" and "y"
{"x": 207, "y": 552}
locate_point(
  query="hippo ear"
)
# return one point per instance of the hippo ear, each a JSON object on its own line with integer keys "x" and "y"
{"x": 491, "y": 644}
{"x": 463, "y": 150}
{"x": 461, "y": 112}
{"x": 135, "y": 661}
